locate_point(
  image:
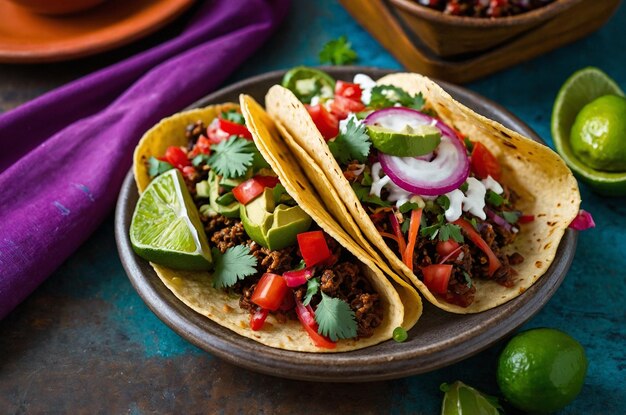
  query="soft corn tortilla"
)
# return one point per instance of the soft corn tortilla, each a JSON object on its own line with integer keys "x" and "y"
{"x": 546, "y": 187}
{"x": 195, "y": 289}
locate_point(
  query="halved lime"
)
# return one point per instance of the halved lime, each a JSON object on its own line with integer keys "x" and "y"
{"x": 166, "y": 228}
{"x": 409, "y": 142}
{"x": 307, "y": 83}
{"x": 580, "y": 89}
{"x": 460, "y": 399}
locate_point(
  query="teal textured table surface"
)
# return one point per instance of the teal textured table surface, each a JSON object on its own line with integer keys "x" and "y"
{"x": 85, "y": 339}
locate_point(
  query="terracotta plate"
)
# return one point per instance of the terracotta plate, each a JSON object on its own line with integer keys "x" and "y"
{"x": 26, "y": 37}
{"x": 438, "y": 339}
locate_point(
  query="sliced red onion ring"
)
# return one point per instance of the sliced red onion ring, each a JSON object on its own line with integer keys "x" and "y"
{"x": 447, "y": 170}
{"x": 297, "y": 278}
{"x": 583, "y": 221}
{"x": 498, "y": 220}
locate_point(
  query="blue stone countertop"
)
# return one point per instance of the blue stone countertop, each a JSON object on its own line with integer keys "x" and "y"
{"x": 85, "y": 341}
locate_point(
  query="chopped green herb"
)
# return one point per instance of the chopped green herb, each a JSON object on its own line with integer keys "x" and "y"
{"x": 444, "y": 202}
{"x": 493, "y": 198}
{"x": 301, "y": 265}
{"x": 258, "y": 161}
{"x": 233, "y": 116}
{"x": 450, "y": 230}
{"x": 400, "y": 335}
{"x": 233, "y": 265}
{"x": 474, "y": 223}
{"x": 468, "y": 279}
{"x": 335, "y": 318}
{"x": 405, "y": 225}
{"x": 199, "y": 159}
{"x": 338, "y": 52}
{"x": 363, "y": 194}
{"x": 468, "y": 144}
{"x": 464, "y": 187}
{"x": 353, "y": 144}
{"x": 384, "y": 96}
{"x": 156, "y": 166}
{"x": 511, "y": 217}
{"x": 408, "y": 206}
{"x": 312, "y": 287}
{"x": 367, "y": 179}
{"x": 362, "y": 114}
{"x": 232, "y": 157}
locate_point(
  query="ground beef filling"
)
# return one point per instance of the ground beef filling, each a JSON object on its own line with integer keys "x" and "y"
{"x": 343, "y": 280}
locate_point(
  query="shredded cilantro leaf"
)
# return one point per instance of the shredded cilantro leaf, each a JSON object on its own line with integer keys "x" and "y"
{"x": 464, "y": 187}
{"x": 335, "y": 318}
{"x": 363, "y": 194}
{"x": 258, "y": 161}
{"x": 450, "y": 230}
{"x": 199, "y": 159}
{"x": 444, "y": 202}
{"x": 493, "y": 198}
{"x": 474, "y": 223}
{"x": 338, "y": 52}
{"x": 384, "y": 96}
{"x": 301, "y": 265}
{"x": 233, "y": 116}
{"x": 233, "y": 265}
{"x": 511, "y": 217}
{"x": 408, "y": 206}
{"x": 354, "y": 144}
{"x": 312, "y": 287}
{"x": 468, "y": 144}
{"x": 232, "y": 157}
{"x": 156, "y": 166}
{"x": 468, "y": 279}
{"x": 405, "y": 226}
{"x": 367, "y": 179}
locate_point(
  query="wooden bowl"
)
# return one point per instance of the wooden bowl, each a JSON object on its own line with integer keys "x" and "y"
{"x": 448, "y": 35}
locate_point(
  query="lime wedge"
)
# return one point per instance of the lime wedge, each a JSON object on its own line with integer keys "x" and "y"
{"x": 460, "y": 399}
{"x": 579, "y": 90}
{"x": 166, "y": 228}
{"x": 409, "y": 142}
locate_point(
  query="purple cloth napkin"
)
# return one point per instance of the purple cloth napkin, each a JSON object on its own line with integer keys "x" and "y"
{"x": 65, "y": 154}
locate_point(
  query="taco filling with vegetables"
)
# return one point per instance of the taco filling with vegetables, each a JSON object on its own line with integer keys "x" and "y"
{"x": 445, "y": 194}
{"x": 275, "y": 276}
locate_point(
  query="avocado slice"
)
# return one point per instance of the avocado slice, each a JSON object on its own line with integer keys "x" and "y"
{"x": 230, "y": 210}
{"x": 274, "y": 227}
{"x": 411, "y": 141}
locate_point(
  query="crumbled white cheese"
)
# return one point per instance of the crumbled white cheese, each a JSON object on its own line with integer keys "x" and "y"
{"x": 366, "y": 83}
{"x": 305, "y": 86}
{"x": 315, "y": 100}
{"x": 491, "y": 184}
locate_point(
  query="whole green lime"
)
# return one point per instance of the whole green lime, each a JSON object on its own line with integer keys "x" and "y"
{"x": 598, "y": 136}
{"x": 541, "y": 370}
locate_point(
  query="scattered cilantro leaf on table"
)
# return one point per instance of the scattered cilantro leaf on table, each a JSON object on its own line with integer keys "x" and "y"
{"x": 232, "y": 157}
{"x": 338, "y": 52}
{"x": 335, "y": 318}
{"x": 233, "y": 265}
{"x": 353, "y": 144}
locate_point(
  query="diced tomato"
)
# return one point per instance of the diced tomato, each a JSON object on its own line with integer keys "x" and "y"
{"x": 190, "y": 173}
{"x": 341, "y": 106}
{"x": 307, "y": 319}
{"x": 494, "y": 262}
{"x": 267, "y": 181}
{"x": 270, "y": 291}
{"x": 232, "y": 128}
{"x": 445, "y": 248}
{"x": 326, "y": 123}
{"x": 258, "y": 319}
{"x": 177, "y": 157}
{"x": 202, "y": 146}
{"x": 251, "y": 188}
{"x": 313, "y": 247}
{"x": 526, "y": 219}
{"x": 484, "y": 163}
{"x": 437, "y": 276}
{"x": 297, "y": 278}
{"x": 348, "y": 90}
{"x": 214, "y": 133}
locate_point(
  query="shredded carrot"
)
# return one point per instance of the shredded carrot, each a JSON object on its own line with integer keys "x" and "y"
{"x": 396, "y": 230}
{"x": 416, "y": 218}
{"x": 390, "y": 236}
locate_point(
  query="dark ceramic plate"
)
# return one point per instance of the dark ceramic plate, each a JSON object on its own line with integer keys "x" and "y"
{"x": 438, "y": 339}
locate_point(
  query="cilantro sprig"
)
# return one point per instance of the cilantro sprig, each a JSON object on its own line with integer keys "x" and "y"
{"x": 335, "y": 318}
{"x": 338, "y": 52}
{"x": 312, "y": 287}
{"x": 233, "y": 265}
{"x": 233, "y": 116}
{"x": 384, "y": 96}
{"x": 442, "y": 229}
{"x": 363, "y": 194}
{"x": 232, "y": 157}
{"x": 353, "y": 144}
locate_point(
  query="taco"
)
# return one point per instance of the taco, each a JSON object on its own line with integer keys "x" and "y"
{"x": 310, "y": 288}
{"x": 468, "y": 211}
